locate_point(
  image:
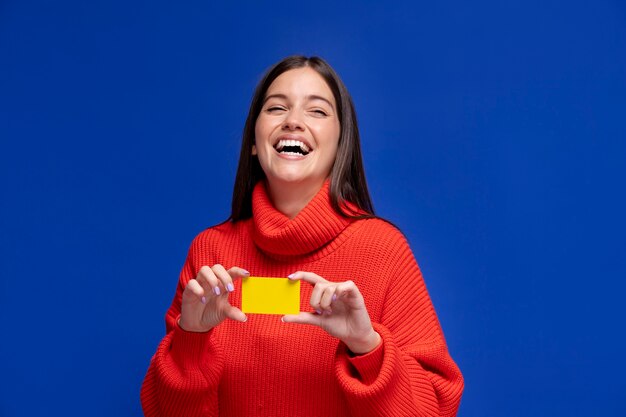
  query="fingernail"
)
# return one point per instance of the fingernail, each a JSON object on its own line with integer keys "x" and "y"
{"x": 245, "y": 272}
{"x": 334, "y": 297}
{"x": 230, "y": 287}
{"x": 291, "y": 275}
{"x": 282, "y": 319}
{"x": 217, "y": 291}
{"x": 245, "y": 319}
{"x": 318, "y": 311}
{"x": 203, "y": 300}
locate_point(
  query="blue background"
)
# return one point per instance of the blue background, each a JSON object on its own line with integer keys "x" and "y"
{"x": 493, "y": 136}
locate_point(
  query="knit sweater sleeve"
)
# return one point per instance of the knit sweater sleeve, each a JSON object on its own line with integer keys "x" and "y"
{"x": 184, "y": 373}
{"x": 411, "y": 373}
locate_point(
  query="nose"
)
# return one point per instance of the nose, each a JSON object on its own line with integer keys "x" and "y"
{"x": 293, "y": 122}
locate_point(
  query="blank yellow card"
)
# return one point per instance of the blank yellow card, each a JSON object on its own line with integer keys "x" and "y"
{"x": 264, "y": 295}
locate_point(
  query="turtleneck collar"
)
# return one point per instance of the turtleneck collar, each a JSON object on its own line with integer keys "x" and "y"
{"x": 315, "y": 226}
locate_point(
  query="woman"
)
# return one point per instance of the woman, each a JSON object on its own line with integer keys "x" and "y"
{"x": 367, "y": 341}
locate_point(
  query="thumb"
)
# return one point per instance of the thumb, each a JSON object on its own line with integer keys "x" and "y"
{"x": 302, "y": 318}
{"x": 234, "y": 313}
{"x": 236, "y": 272}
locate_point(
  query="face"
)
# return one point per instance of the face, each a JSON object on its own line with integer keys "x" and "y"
{"x": 297, "y": 131}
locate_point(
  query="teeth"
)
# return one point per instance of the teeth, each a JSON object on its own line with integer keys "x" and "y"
{"x": 282, "y": 143}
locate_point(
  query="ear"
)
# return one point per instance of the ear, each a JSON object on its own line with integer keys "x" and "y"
{"x": 254, "y": 150}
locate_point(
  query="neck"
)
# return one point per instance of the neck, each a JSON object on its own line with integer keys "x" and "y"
{"x": 290, "y": 198}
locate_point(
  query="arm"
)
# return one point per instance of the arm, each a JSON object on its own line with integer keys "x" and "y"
{"x": 184, "y": 374}
{"x": 411, "y": 372}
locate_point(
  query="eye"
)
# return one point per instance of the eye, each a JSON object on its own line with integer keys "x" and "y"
{"x": 319, "y": 112}
{"x": 274, "y": 109}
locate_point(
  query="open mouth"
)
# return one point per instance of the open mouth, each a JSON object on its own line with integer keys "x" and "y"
{"x": 292, "y": 147}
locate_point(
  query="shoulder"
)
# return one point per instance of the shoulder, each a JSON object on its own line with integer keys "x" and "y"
{"x": 381, "y": 230}
{"x": 379, "y": 238}
{"x": 220, "y": 234}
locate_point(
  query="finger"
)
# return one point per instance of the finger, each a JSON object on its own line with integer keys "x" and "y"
{"x": 208, "y": 280}
{"x": 194, "y": 289}
{"x": 234, "y": 313}
{"x": 302, "y": 318}
{"x": 350, "y": 293}
{"x": 235, "y": 272}
{"x": 327, "y": 298}
{"x": 309, "y": 277}
{"x": 316, "y": 296}
{"x": 224, "y": 277}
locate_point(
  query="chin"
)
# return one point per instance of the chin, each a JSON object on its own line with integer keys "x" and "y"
{"x": 289, "y": 179}
{"x": 294, "y": 178}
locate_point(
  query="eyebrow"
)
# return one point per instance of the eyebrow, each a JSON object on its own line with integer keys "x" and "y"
{"x": 308, "y": 98}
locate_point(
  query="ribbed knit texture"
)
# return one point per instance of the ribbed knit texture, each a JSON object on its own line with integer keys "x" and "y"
{"x": 268, "y": 368}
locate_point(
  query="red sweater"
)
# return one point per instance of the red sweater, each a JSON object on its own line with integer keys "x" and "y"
{"x": 265, "y": 367}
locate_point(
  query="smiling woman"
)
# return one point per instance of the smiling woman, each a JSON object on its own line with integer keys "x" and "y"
{"x": 347, "y": 177}
{"x": 296, "y": 138}
{"x": 366, "y": 342}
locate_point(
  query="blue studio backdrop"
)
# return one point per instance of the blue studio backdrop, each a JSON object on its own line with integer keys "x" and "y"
{"x": 493, "y": 135}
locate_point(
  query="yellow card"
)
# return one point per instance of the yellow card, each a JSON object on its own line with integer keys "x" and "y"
{"x": 264, "y": 295}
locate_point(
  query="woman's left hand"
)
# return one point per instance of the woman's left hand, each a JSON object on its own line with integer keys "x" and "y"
{"x": 341, "y": 312}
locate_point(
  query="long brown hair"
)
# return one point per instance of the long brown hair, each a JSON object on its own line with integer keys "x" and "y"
{"x": 347, "y": 177}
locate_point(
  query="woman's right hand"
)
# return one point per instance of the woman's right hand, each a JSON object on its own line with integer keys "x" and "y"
{"x": 205, "y": 299}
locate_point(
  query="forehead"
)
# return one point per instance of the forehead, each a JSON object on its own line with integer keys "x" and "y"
{"x": 300, "y": 83}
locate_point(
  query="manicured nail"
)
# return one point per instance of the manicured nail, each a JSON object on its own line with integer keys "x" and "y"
{"x": 203, "y": 300}
{"x": 230, "y": 287}
{"x": 318, "y": 311}
{"x": 246, "y": 273}
{"x": 291, "y": 275}
{"x": 282, "y": 319}
{"x": 245, "y": 319}
{"x": 217, "y": 291}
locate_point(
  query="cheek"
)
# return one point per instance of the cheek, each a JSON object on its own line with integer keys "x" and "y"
{"x": 336, "y": 132}
{"x": 328, "y": 133}
{"x": 263, "y": 129}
